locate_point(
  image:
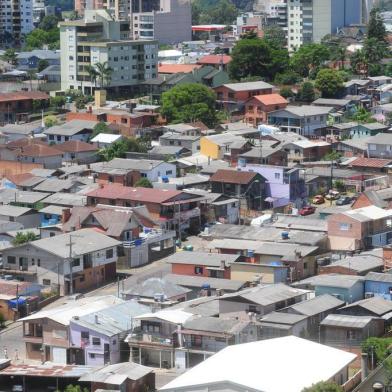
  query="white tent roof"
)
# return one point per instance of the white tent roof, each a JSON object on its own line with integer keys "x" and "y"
{"x": 283, "y": 364}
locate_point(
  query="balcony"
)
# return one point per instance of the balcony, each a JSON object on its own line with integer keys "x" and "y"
{"x": 182, "y": 215}
{"x": 150, "y": 339}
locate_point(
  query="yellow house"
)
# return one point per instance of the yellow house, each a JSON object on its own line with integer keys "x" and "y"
{"x": 216, "y": 146}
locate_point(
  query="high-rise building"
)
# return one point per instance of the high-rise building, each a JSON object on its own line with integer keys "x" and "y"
{"x": 16, "y": 19}
{"x": 100, "y": 38}
{"x": 169, "y": 21}
{"x": 311, "y": 20}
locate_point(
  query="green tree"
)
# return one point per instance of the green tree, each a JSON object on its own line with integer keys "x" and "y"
{"x": 332, "y": 156}
{"x": 57, "y": 102}
{"x": 207, "y": 12}
{"x": 329, "y": 82}
{"x": 48, "y": 22}
{"x": 120, "y": 148}
{"x": 289, "y": 77}
{"x": 9, "y": 56}
{"x": 143, "y": 183}
{"x": 50, "y": 121}
{"x": 189, "y": 103}
{"x": 306, "y": 92}
{"x": 2, "y": 320}
{"x": 358, "y": 61}
{"x": 75, "y": 388}
{"x": 250, "y": 57}
{"x": 101, "y": 127}
{"x": 309, "y": 56}
{"x": 376, "y": 28}
{"x": 324, "y": 386}
{"x": 93, "y": 74}
{"x": 361, "y": 115}
{"x": 22, "y": 238}
{"x": 377, "y": 349}
{"x": 42, "y": 64}
{"x": 286, "y": 92}
{"x": 275, "y": 36}
{"x": 104, "y": 73}
{"x": 39, "y": 38}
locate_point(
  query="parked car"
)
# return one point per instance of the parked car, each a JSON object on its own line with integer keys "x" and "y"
{"x": 318, "y": 199}
{"x": 307, "y": 210}
{"x": 332, "y": 195}
{"x": 343, "y": 200}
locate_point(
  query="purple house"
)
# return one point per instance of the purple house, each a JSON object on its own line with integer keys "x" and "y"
{"x": 97, "y": 337}
{"x": 283, "y": 184}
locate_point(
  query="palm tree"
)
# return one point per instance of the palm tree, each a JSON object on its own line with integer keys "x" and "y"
{"x": 339, "y": 55}
{"x": 104, "y": 73}
{"x": 93, "y": 73}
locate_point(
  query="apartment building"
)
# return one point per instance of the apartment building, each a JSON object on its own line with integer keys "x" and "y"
{"x": 311, "y": 20}
{"x": 16, "y": 18}
{"x": 155, "y": 20}
{"x": 100, "y": 38}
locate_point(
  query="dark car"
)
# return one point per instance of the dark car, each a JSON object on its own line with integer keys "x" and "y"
{"x": 307, "y": 210}
{"x": 342, "y": 201}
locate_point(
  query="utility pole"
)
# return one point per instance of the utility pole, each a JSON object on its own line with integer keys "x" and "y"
{"x": 71, "y": 291}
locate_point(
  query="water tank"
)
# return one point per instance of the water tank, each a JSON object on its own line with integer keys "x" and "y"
{"x": 241, "y": 162}
{"x": 285, "y": 235}
{"x": 205, "y": 286}
{"x": 165, "y": 179}
{"x": 250, "y": 253}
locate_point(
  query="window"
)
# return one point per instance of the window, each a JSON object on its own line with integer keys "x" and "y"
{"x": 199, "y": 270}
{"x": 114, "y": 342}
{"x": 252, "y": 308}
{"x": 305, "y": 265}
{"x": 82, "y": 279}
{"x": 96, "y": 341}
{"x": 109, "y": 253}
{"x": 92, "y": 356}
{"x": 277, "y": 176}
{"x": 46, "y": 282}
{"x": 169, "y": 172}
{"x": 85, "y": 335}
{"x": 344, "y": 226}
{"x": 11, "y": 260}
{"x": 39, "y": 262}
{"x": 76, "y": 263}
{"x": 351, "y": 335}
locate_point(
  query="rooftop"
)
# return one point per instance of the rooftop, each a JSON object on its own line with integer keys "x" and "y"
{"x": 331, "y": 280}
{"x": 233, "y": 176}
{"x": 259, "y": 366}
{"x": 282, "y": 318}
{"x": 214, "y": 325}
{"x": 46, "y": 370}
{"x": 317, "y": 305}
{"x": 202, "y": 258}
{"x": 14, "y": 211}
{"x": 54, "y": 185}
{"x": 177, "y": 68}
{"x": 379, "y": 277}
{"x": 248, "y": 86}
{"x": 369, "y": 213}
{"x": 123, "y": 166}
{"x": 270, "y": 99}
{"x": 380, "y": 138}
{"x": 371, "y": 162}
{"x": 306, "y": 110}
{"x": 76, "y": 146}
{"x": 71, "y": 128}
{"x": 377, "y": 305}
{"x": 174, "y": 316}
{"x": 346, "y": 321}
{"x": 216, "y": 59}
{"x": 66, "y": 199}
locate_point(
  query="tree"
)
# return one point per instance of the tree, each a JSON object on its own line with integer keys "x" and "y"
{"x": 42, "y": 64}
{"x": 39, "y": 38}
{"x": 48, "y": 22}
{"x": 361, "y": 115}
{"x": 189, "y": 103}
{"x": 358, "y": 61}
{"x": 9, "y": 56}
{"x": 286, "y": 92}
{"x": 324, "y": 386}
{"x": 250, "y": 57}
{"x": 275, "y": 36}
{"x": 50, "y": 121}
{"x": 93, "y": 74}
{"x": 207, "y": 12}
{"x": 57, "y": 102}
{"x": 329, "y": 82}
{"x": 332, "y": 156}
{"x": 2, "y": 320}
{"x": 309, "y": 56}
{"x": 75, "y": 388}
{"x": 120, "y": 148}
{"x": 22, "y": 238}
{"x": 306, "y": 92}
{"x": 376, "y": 28}
{"x": 377, "y": 349}
{"x": 143, "y": 183}
{"x": 101, "y": 127}
{"x": 289, "y": 77}
{"x": 104, "y": 73}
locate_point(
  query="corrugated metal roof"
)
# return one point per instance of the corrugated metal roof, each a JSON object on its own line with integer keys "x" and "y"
{"x": 337, "y": 320}
{"x": 376, "y": 305}
{"x": 202, "y": 258}
{"x": 317, "y": 305}
{"x": 282, "y": 318}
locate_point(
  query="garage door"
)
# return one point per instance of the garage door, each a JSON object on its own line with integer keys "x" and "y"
{"x": 59, "y": 355}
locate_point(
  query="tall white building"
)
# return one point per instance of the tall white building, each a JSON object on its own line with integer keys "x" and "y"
{"x": 16, "y": 18}
{"x": 168, "y": 21}
{"x": 99, "y": 38}
{"x": 311, "y": 20}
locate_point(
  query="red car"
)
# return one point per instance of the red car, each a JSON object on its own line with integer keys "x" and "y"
{"x": 307, "y": 210}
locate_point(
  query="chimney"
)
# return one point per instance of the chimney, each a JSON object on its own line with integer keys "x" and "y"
{"x": 364, "y": 366}
{"x": 66, "y": 214}
{"x": 387, "y": 256}
{"x": 96, "y": 319}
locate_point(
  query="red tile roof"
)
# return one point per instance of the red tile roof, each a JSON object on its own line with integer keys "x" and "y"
{"x": 177, "y": 68}
{"x": 19, "y": 179}
{"x": 22, "y": 95}
{"x": 39, "y": 150}
{"x": 148, "y": 195}
{"x": 371, "y": 162}
{"x": 12, "y": 287}
{"x": 14, "y": 167}
{"x": 233, "y": 176}
{"x": 76, "y": 146}
{"x": 271, "y": 99}
{"x": 24, "y": 142}
{"x": 215, "y": 59}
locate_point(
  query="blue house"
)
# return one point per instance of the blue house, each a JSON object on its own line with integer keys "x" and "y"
{"x": 51, "y": 215}
{"x": 378, "y": 284}
{"x": 366, "y": 130}
{"x": 30, "y": 60}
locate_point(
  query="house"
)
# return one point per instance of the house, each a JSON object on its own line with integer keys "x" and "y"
{"x": 380, "y": 198}
{"x": 219, "y": 61}
{"x": 202, "y": 337}
{"x": 360, "y": 264}
{"x": 343, "y": 130}
{"x": 259, "y": 366}
{"x": 348, "y": 288}
{"x": 191, "y": 143}
{"x": 15, "y": 106}
{"x": 268, "y": 152}
{"x": 376, "y": 81}
{"x": 378, "y": 284}
{"x": 77, "y": 151}
{"x": 47, "y": 261}
{"x": 51, "y": 74}
{"x": 156, "y": 293}
{"x": 12, "y": 132}
{"x": 22, "y": 181}
{"x": 185, "y": 129}
{"x": 356, "y": 86}
{"x": 337, "y": 104}
{"x": 71, "y": 130}
{"x": 247, "y": 186}
{"x": 306, "y": 150}
{"x": 54, "y": 185}
{"x": 47, "y": 333}
{"x": 213, "y": 265}
{"x": 129, "y": 171}
{"x": 258, "y": 107}
{"x": 367, "y": 129}
{"x": 232, "y": 96}
{"x": 154, "y": 342}
{"x": 193, "y": 181}
{"x": 103, "y": 140}
{"x": 164, "y": 205}
{"x": 353, "y": 147}
{"x": 97, "y": 337}
{"x": 223, "y": 146}
{"x": 305, "y": 120}
{"x": 261, "y": 299}
{"x": 315, "y": 310}
{"x": 349, "y": 331}
{"x": 238, "y": 128}
{"x": 65, "y": 199}
{"x": 30, "y": 60}
{"x": 360, "y": 228}
{"x": 205, "y": 286}
{"x": 19, "y": 198}
{"x": 278, "y": 324}
{"x": 380, "y": 146}
{"x": 371, "y": 165}
{"x": 28, "y": 217}
{"x": 125, "y": 376}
